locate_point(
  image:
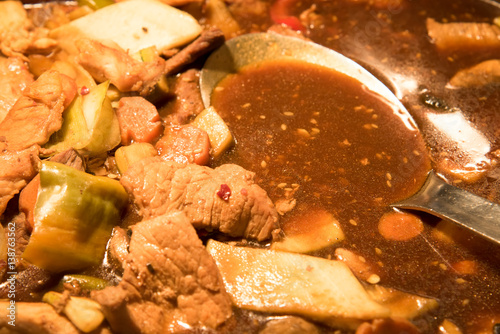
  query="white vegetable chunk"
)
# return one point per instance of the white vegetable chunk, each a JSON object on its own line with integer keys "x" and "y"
{"x": 309, "y": 232}
{"x": 402, "y": 304}
{"x": 133, "y": 25}
{"x": 288, "y": 283}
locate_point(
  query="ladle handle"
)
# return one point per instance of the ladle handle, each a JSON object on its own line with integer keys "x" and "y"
{"x": 462, "y": 207}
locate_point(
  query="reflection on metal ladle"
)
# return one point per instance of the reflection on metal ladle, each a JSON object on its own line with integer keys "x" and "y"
{"x": 436, "y": 196}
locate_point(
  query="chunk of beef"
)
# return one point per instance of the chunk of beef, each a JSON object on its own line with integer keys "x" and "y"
{"x": 185, "y": 144}
{"x": 17, "y": 168}
{"x": 31, "y": 282}
{"x": 118, "y": 247}
{"x": 37, "y": 114}
{"x": 484, "y": 73}
{"x": 169, "y": 280}
{"x": 224, "y": 199}
{"x": 248, "y": 10}
{"x": 117, "y": 66}
{"x": 18, "y": 35}
{"x": 187, "y": 100}
{"x": 21, "y": 230}
{"x": 209, "y": 40}
{"x": 70, "y": 158}
{"x": 463, "y": 36}
{"x": 14, "y": 77}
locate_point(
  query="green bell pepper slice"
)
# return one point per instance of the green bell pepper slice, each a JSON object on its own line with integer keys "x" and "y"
{"x": 74, "y": 217}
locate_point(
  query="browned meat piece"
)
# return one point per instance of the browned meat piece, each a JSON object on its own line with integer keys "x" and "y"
{"x": 16, "y": 43}
{"x": 465, "y": 36}
{"x": 185, "y": 144}
{"x": 17, "y": 168}
{"x": 14, "y": 77}
{"x": 18, "y": 35}
{"x": 30, "y": 283}
{"x": 37, "y": 114}
{"x": 117, "y": 66}
{"x": 22, "y": 235}
{"x": 209, "y": 40}
{"x": 35, "y": 318}
{"x": 70, "y": 158}
{"x": 248, "y": 10}
{"x": 118, "y": 245}
{"x": 169, "y": 279}
{"x": 224, "y": 199}
{"x": 484, "y": 73}
{"x": 187, "y": 100}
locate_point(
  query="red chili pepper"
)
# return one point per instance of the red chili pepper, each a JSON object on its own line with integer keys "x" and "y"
{"x": 84, "y": 90}
{"x": 280, "y": 13}
{"x": 224, "y": 192}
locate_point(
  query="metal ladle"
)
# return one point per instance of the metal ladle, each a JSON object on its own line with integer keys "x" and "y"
{"x": 435, "y": 197}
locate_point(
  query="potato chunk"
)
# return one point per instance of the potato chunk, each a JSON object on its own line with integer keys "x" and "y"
{"x": 288, "y": 283}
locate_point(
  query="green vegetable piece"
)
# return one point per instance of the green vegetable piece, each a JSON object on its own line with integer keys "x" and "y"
{"x": 90, "y": 124}
{"x": 74, "y": 216}
{"x": 95, "y": 4}
{"x": 101, "y": 120}
{"x": 85, "y": 282}
{"x": 74, "y": 130}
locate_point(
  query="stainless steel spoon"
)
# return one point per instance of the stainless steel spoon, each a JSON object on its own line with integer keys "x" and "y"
{"x": 435, "y": 197}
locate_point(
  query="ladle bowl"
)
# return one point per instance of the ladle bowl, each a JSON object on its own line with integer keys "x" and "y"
{"x": 436, "y": 196}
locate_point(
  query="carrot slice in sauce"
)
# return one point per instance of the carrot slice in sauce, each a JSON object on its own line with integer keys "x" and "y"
{"x": 139, "y": 120}
{"x": 400, "y": 226}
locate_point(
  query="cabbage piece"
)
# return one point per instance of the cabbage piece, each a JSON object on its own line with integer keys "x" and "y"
{"x": 90, "y": 124}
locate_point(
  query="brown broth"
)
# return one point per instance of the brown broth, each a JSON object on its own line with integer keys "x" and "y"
{"x": 319, "y": 135}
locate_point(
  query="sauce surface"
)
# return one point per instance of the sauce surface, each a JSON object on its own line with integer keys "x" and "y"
{"x": 303, "y": 126}
{"x": 319, "y": 137}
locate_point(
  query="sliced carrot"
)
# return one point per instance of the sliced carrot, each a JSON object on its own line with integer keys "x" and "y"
{"x": 400, "y": 226}
{"x": 27, "y": 200}
{"x": 465, "y": 267}
{"x": 139, "y": 120}
{"x": 187, "y": 143}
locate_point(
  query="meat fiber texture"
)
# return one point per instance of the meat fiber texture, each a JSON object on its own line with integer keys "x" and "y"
{"x": 224, "y": 199}
{"x": 169, "y": 280}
